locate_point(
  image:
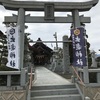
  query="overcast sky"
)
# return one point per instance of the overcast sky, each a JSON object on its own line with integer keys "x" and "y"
{"x": 46, "y": 31}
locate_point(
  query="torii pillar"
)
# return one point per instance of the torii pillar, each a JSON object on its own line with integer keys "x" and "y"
{"x": 77, "y": 23}
{"x": 76, "y": 19}
{"x": 21, "y": 24}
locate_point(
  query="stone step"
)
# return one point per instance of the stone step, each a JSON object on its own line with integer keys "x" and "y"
{"x": 54, "y": 92}
{"x": 50, "y": 86}
{"x": 58, "y": 97}
{"x": 53, "y": 87}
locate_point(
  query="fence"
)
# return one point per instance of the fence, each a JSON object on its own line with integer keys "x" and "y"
{"x": 93, "y": 76}
{"x": 14, "y": 78}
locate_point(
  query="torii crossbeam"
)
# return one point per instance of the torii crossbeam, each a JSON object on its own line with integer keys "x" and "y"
{"x": 39, "y": 6}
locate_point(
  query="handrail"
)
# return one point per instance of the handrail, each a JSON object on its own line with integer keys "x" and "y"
{"x": 90, "y": 70}
{"x": 30, "y": 81}
{"x": 10, "y": 72}
{"x": 78, "y": 76}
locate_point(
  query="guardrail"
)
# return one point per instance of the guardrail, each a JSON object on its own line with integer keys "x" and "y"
{"x": 93, "y": 73}
{"x": 14, "y": 78}
{"x": 79, "y": 80}
{"x": 75, "y": 71}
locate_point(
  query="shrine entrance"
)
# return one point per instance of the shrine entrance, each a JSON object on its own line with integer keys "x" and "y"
{"x": 49, "y": 9}
{"x": 21, "y": 91}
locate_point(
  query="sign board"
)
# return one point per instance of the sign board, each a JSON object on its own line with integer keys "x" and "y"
{"x": 49, "y": 11}
{"x": 79, "y": 50}
{"x": 13, "y": 47}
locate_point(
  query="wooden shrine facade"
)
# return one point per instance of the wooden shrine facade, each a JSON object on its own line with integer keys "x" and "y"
{"x": 41, "y": 54}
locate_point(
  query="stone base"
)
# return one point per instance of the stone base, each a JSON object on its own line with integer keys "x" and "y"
{"x": 13, "y": 95}
{"x": 92, "y": 92}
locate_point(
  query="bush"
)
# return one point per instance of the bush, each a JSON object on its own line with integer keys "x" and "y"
{"x": 5, "y": 68}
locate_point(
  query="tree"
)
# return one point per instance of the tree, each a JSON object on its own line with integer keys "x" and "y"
{"x": 89, "y": 54}
{"x": 27, "y": 52}
{"x": 3, "y": 49}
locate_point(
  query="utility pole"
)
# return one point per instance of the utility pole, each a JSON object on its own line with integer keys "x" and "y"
{"x": 55, "y": 36}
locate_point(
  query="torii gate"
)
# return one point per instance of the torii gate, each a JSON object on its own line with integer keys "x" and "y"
{"x": 49, "y": 8}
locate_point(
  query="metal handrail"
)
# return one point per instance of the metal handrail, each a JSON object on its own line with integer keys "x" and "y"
{"x": 78, "y": 76}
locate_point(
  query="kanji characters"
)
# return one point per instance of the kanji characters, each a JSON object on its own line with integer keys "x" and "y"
{"x": 12, "y": 63}
{"x": 12, "y": 31}
{"x": 77, "y": 39}
{"x": 11, "y": 46}
{"x": 79, "y": 62}
{"x": 79, "y": 52}
{"x": 12, "y": 39}
{"x": 78, "y": 46}
{"x": 12, "y": 55}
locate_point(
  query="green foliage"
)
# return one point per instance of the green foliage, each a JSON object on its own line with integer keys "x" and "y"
{"x": 3, "y": 52}
{"x": 93, "y": 77}
{"x": 71, "y": 51}
{"x": 89, "y": 55}
{"x": 5, "y": 68}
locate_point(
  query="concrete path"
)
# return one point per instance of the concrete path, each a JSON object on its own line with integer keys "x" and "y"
{"x": 45, "y": 77}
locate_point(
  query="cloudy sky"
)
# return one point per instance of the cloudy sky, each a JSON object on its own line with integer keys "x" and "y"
{"x": 46, "y": 31}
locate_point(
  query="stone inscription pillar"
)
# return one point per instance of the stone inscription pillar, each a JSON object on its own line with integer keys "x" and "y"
{"x": 21, "y": 24}
{"x": 66, "y": 58}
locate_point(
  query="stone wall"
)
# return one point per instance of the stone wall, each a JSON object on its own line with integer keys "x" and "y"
{"x": 92, "y": 92}
{"x": 13, "y": 95}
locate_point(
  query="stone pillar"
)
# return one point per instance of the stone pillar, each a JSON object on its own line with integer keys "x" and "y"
{"x": 8, "y": 80}
{"x": 23, "y": 77}
{"x": 93, "y": 56}
{"x": 86, "y": 75}
{"x": 98, "y": 78}
{"x": 21, "y": 24}
{"x": 66, "y": 58}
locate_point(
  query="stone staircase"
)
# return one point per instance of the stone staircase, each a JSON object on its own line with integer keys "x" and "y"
{"x": 55, "y": 92}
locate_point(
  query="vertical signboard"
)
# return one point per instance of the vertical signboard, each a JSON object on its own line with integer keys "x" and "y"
{"x": 79, "y": 50}
{"x": 13, "y": 47}
{"x": 49, "y": 11}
